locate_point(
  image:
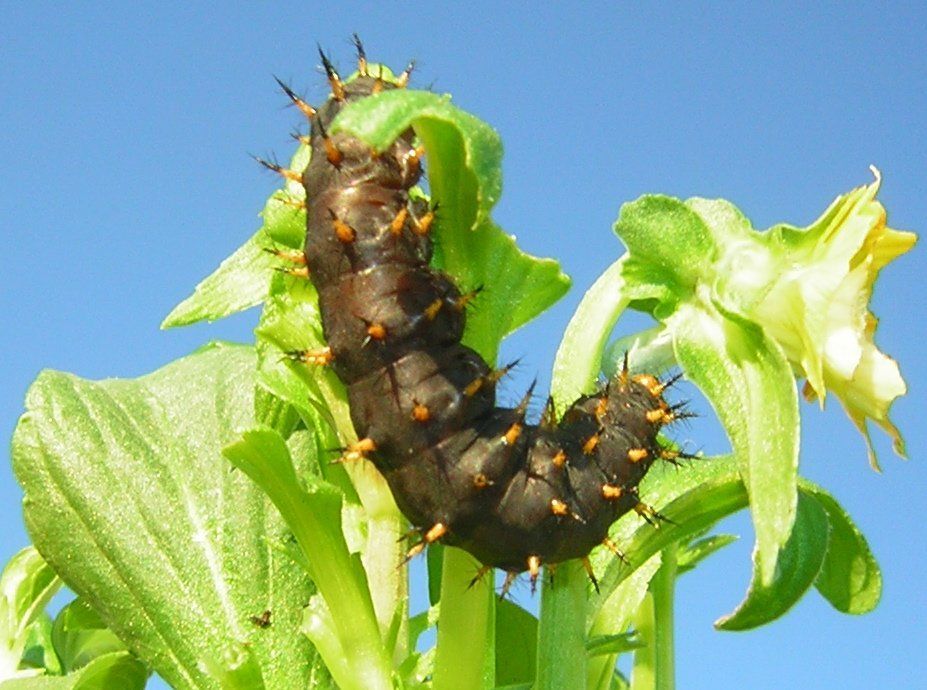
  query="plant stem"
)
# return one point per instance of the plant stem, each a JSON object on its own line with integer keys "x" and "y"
{"x": 562, "y": 630}
{"x": 654, "y": 665}
{"x": 389, "y": 585}
{"x": 465, "y": 657}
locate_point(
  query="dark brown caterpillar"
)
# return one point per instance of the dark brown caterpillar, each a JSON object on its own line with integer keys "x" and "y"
{"x": 462, "y": 470}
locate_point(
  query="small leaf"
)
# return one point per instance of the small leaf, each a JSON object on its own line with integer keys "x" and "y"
{"x": 619, "y": 643}
{"x": 27, "y": 584}
{"x": 797, "y": 567}
{"x": 696, "y": 552}
{"x": 129, "y": 499}
{"x": 240, "y": 282}
{"x": 80, "y": 636}
{"x": 116, "y": 670}
{"x": 668, "y": 237}
{"x": 750, "y": 386}
{"x": 850, "y": 578}
{"x": 39, "y": 651}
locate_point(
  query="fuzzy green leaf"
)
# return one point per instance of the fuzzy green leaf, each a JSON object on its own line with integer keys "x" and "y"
{"x": 128, "y": 497}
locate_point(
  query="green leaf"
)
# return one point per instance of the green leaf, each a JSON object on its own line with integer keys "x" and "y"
{"x": 609, "y": 645}
{"x": 240, "y": 282}
{"x": 749, "y": 383}
{"x": 27, "y": 584}
{"x": 313, "y": 514}
{"x": 129, "y": 498}
{"x": 465, "y": 180}
{"x": 39, "y": 651}
{"x": 79, "y": 636}
{"x": 668, "y": 240}
{"x": 850, "y": 578}
{"x": 797, "y": 567}
{"x": 694, "y": 497}
{"x": 516, "y": 644}
{"x": 115, "y": 670}
{"x": 697, "y": 551}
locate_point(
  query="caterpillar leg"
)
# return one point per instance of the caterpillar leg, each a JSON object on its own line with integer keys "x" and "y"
{"x": 480, "y": 574}
{"x": 321, "y": 357}
{"x": 437, "y": 531}
{"x": 590, "y": 572}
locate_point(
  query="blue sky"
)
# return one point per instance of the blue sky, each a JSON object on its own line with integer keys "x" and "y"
{"x": 126, "y": 180}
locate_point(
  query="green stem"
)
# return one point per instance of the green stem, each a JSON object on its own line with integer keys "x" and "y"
{"x": 643, "y": 673}
{"x": 389, "y": 585}
{"x": 562, "y": 630}
{"x": 654, "y": 665}
{"x": 465, "y": 656}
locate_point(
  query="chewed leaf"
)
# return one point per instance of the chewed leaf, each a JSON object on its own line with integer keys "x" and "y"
{"x": 465, "y": 180}
{"x": 129, "y": 498}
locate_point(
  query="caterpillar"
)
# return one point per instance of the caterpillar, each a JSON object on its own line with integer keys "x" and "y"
{"x": 463, "y": 471}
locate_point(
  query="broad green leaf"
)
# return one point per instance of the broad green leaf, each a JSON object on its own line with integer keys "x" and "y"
{"x": 313, "y": 514}
{"x": 115, "y": 670}
{"x": 128, "y": 497}
{"x": 516, "y": 644}
{"x": 850, "y": 578}
{"x": 27, "y": 584}
{"x": 465, "y": 180}
{"x": 750, "y": 386}
{"x": 797, "y": 567}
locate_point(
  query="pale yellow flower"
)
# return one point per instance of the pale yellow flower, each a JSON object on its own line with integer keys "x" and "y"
{"x": 816, "y": 306}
